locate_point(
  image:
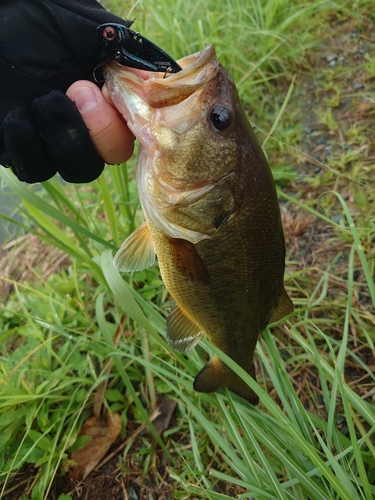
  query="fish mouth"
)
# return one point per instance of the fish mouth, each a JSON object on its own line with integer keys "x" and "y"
{"x": 160, "y": 90}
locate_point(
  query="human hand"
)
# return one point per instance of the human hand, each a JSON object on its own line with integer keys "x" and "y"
{"x": 47, "y": 46}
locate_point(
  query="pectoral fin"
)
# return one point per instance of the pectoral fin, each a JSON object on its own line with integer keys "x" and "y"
{"x": 188, "y": 262}
{"x": 284, "y": 308}
{"x": 182, "y": 333}
{"x": 216, "y": 374}
{"x": 137, "y": 252}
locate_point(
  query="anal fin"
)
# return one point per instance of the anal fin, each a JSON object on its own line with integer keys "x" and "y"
{"x": 182, "y": 333}
{"x": 137, "y": 252}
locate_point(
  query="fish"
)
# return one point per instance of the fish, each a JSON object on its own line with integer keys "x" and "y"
{"x": 211, "y": 212}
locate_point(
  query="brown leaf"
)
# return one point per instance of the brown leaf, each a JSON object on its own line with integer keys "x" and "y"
{"x": 166, "y": 408}
{"x": 103, "y": 433}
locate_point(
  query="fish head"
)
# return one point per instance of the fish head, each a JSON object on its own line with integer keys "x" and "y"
{"x": 178, "y": 114}
{"x": 194, "y": 135}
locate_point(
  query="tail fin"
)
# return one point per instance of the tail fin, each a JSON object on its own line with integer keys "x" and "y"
{"x": 216, "y": 374}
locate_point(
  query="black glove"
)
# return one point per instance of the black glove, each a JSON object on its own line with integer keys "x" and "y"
{"x": 45, "y": 46}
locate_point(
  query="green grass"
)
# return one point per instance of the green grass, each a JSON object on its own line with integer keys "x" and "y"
{"x": 57, "y": 333}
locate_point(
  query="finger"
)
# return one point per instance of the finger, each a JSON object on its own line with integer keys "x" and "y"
{"x": 111, "y": 137}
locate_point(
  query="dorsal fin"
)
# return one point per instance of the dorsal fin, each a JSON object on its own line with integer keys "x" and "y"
{"x": 182, "y": 332}
{"x": 137, "y": 252}
{"x": 284, "y": 308}
{"x": 188, "y": 262}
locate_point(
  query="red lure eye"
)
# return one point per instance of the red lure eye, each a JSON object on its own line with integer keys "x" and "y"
{"x": 109, "y": 33}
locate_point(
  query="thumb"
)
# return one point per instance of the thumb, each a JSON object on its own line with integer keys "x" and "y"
{"x": 111, "y": 137}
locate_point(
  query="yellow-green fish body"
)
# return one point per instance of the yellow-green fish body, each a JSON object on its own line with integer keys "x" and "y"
{"x": 211, "y": 212}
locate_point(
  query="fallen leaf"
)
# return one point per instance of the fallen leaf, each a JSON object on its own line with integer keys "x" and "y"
{"x": 154, "y": 415}
{"x": 165, "y": 408}
{"x": 103, "y": 433}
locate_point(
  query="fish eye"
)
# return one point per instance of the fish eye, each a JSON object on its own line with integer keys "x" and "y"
{"x": 109, "y": 33}
{"x": 220, "y": 117}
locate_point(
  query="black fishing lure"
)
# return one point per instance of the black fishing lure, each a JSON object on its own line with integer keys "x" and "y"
{"x": 134, "y": 50}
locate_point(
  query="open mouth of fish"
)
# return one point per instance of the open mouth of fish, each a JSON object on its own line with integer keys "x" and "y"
{"x": 141, "y": 100}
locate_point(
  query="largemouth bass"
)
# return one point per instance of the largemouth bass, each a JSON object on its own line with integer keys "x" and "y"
{"x": 211, "y": 212}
